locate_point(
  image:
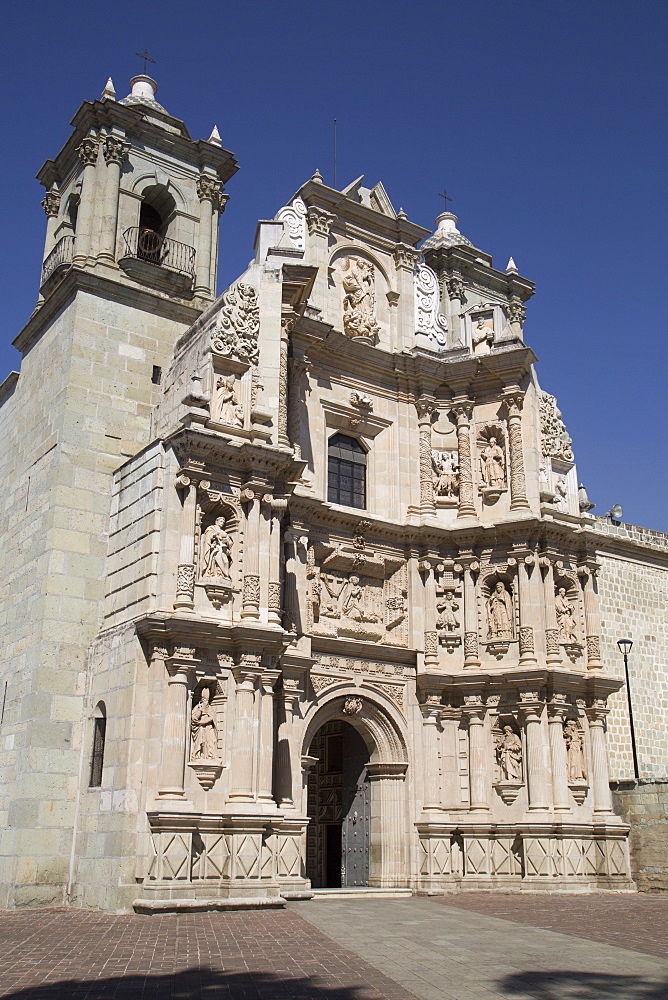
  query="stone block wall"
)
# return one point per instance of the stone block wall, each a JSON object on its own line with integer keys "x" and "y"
{"x": 645, "y": 807}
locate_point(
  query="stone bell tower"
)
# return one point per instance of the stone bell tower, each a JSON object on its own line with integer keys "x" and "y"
{"x": 130, "y": 258}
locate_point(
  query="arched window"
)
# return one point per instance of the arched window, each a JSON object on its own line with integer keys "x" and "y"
{"x": 156, "y": 211}
{"x": 97, "y": 756}
{"x": 346, "y": 471}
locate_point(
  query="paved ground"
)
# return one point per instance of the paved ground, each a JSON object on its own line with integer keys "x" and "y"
{"x": 447, "y": 948}
{"x": 443, "y": 950}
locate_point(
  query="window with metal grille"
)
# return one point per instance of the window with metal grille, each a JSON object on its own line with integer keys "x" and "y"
{"x": 346, "y": 471}
{"x": 97, "y": 759}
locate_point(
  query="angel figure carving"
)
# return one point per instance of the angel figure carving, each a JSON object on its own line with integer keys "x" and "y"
{"x": 359, "y": 300}
{"x": 203, "y": 729}
{"x": 230, "y": 411}
{"x": 500, "y": 613}
{"x": 565, "y": 616}
{"x": 216, "y": 551}
{"x": 509, "y": 755}
{"x": 493, "y": 465}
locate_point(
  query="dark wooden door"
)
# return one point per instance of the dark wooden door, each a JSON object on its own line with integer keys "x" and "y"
{"x": 356, "y": 824}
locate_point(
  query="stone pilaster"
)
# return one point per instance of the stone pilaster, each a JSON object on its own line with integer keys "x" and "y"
{"x": 587, "y": 574}
{"x": 251, "y": 580}
{"x": 286, "y": 762}
{"x": 525, "y": 561}
{"x": 471, "y": 643}
{"x": 115, "y": 151}
{"x": 431, "y": 711}
{"x": 531, "y": 708}
{"x": 265, "y": 763}
{"x": 600, "y": 778}
{"x": 211, "y": 197}
{"x": 463, "y": 410}
{"x": 274, "y": 606}
{"x": 430, "y": 633}
{"x": 425, "y": 408}
{"x": 479, "y": 755}
{"x": 453, "y": 286}
{"x": 241, "y": 778}
{"x": 185, "y": 577}
{"x": 51, "y": 206}
{"x": 514, "y": 400}
{"x": 556, "y": 713}
{"x": 287, "y": 324}
{"x": 174, "y": 734}
{"x": 88, "y": 153}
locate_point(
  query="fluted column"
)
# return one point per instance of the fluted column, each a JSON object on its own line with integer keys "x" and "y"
{"x": 115, "y": 150}
{"x": 185, "y": 577}
{"x": 286, "y": 762}
{"x": 518, "y": 490}
{"x": 241, "y": 778}
{"x": 600, "y": 778}
{"x": 530, "y": 709}
{"x": 556, "y": 713}
{"x": 174, "y": 735}
{"x": 479, "y": 764}
{"x": 308, "y": 764}
{"x": 552, "y": 647}
{"x": 274, "y": 612}
{"x": 87, "y": 152}
{"x": 430, "y": 633}
{"x": 265, "y": 769}
{"x": 51, "y": 206}
{"x": 425, "y": 407}
{"x": 527, "y": 644}
{"x": 431, "y": 711}
{"x": 463, "y": 410}
{"x": 587, "y": 574}
{"x": 210, "y": 196}
{"x": 251, "y": 584}
{"x": 471, "y": 650}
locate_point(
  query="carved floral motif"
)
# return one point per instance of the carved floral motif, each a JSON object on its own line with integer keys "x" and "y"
{"x": 236, "y": 332}
{"x": 293, "y": 217}
{"x": 555, "y": 439}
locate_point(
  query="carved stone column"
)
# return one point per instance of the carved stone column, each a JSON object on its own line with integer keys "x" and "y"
{"x": 318, "y": 223}
{"x": 454, "y": 286}
{"x": 518, "y": 490}
{"x": 556, "y": 713}
{"x": 115, "y": 150}
{"x": 175, "y": 734}
{"x": 552, "y": 647}
{"x": 430, "y": 633}
{"x": 241, "y": 778}
{"x": 600, "y": 778}
{"x": 185, "y": 577}
{"x": 431, "y": 711}
{"x": 526, "y": 637}
{"x": 251, "y": 585}
{"x": 516, "y": 313}
{"x": 387, "y": 825}
{"x": 479, "y": 754}
{"x": 286, "y": 763}
{"x": 265, "y": 764}
{"x": 463, "y": 410}
{"x": 530, "y": 709}
{"x": 87, "y": 151}
{"x": 425, "y": 408}
{"x": 274, "y": 612}
{"x": 587, "y": 574}
{"x": 471, "y": 651}
{"x": 210, "y": 196}
{"x": 287, "y": 323}
{"x": 51, "y": 206}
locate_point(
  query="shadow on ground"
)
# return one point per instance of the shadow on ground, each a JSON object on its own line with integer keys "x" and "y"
{"x": 582, "y": 986}
{"x": 194, "y": 984}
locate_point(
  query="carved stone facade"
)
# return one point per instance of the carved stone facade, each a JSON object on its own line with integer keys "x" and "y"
{"x": 456, "y": 608}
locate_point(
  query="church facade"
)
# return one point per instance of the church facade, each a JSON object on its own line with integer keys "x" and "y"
{"x": 301, "y": 588}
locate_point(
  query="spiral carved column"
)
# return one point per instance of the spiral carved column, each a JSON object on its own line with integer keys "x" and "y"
{"x": 518, "y": 488}
{"x": 425, "y": 408}
{"x": 463, "y": 410}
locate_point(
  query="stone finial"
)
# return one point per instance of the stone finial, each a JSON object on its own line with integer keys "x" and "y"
{"x": 401, "y": 214}
{"x": 511, "y": 266}
{"x": 446, "y": 224}
{"x": 109, "y": 92}
{"x": 214, "y": 138}
{"x": 144, "y": 87}
{"x": 317, "y": 177}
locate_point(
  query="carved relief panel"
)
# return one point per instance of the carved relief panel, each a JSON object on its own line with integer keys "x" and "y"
{"x": 449, "y": 604}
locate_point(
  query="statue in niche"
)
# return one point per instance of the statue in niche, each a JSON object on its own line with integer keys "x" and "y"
{"x": 493, "y": 465}
{"x": 561, "y": 493}
{"x": 565, "y": 616}
{"x": 574, "y": 752}
{"x": 203, "y": 729}
{"x": 230, "y": 411}
{"x": 216, "y": 551}
{"x": 446, "y": 474}
{"x": 509, "y": 755}
{"x": 447, "y": 620}
{"x": 500, "y": 613}
{"x": 359, "y": 300}
{"x": 482, "y": 335}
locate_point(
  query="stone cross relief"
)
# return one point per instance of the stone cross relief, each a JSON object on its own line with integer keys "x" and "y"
{"x": 359, "y": 299}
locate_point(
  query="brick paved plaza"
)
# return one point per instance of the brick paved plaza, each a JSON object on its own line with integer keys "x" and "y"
{"x": 476, "y": 947}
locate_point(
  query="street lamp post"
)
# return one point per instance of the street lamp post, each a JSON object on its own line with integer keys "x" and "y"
{"x": 625, "y": 646}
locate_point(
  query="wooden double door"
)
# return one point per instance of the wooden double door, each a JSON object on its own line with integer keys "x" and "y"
{"x": 339, "y": 807}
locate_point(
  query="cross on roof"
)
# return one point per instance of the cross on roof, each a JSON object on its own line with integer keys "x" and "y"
{"x": 146, "y": 57}
{"x": 446, "y": 198}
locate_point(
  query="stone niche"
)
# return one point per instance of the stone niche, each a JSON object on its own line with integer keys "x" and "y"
{"x": 355, "y": 593}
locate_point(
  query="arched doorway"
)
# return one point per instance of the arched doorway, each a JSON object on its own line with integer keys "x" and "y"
{"x": 338, "y": 836}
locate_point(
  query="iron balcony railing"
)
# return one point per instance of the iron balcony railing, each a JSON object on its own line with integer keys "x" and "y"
{"x": 62, "y": 253}
{"x": 145, "y": 244}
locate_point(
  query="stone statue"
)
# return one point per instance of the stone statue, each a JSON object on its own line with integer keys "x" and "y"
{"x": 509, "y": 755}
{"x": 565, "y": 616}
{"x": 561, "y": 493}
{"x": 483, "y": 336}
{"x": 493, "y": 465}
{"x": 359, "y": 300}
{"x": 203, "y": 730}
{"x": 447, "y": 620}
{"x": 216, "y": 551}
{"x": 574, "y": 752}
{"x": 230, "y": 410}
{"x": 446, "y": 477}
{"x": 500, "y": 613}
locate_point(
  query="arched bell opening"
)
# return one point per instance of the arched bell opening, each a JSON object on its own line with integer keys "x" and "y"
{"x": 356, "y": 763}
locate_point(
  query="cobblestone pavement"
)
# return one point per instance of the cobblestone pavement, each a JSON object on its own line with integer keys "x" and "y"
{"x": 81, "y": 955}
{"x": 638, "y": 921}
{"x": 444, "y": 950}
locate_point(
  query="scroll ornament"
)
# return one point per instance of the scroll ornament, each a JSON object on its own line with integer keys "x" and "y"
{"x": 236, "y": 332}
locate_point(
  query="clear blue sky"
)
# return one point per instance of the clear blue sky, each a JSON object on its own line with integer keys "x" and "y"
{"x": 545, "y": 120}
